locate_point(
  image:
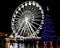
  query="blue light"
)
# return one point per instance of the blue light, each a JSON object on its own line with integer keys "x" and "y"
{"x": 48, "y": 29}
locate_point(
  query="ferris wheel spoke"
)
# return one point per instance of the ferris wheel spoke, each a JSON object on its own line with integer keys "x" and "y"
{"x": 20, "y": 26}
{"x": 35, "y": 19}
{"x": 30, "y": 8}
{"x": 16, "y": 19}
{"x": 33, "y": 10}
{"x": 18, "y": 16}
{"x": 22, "y": 30}
{"x": 16, "y": 23}
{"x": 21, "y": 11}
{"x": 31, "y": 27}
{"x": 34, "y": 22}
{"x": 35, "y": 13}
{"x": 21, "y": 15}
{"x": 19, "y": 30}
{"x": 21, "y": 23}
{"x": 37, "y": 16}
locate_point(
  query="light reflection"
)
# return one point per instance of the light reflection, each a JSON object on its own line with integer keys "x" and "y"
{"x": 15, "y": 45}
{"x": 22, "y": 45}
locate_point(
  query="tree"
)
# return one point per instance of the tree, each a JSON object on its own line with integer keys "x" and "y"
{"x": 48, "y": 29}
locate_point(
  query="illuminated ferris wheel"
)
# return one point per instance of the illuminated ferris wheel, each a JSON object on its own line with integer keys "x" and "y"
{"x": 27, "y": 19}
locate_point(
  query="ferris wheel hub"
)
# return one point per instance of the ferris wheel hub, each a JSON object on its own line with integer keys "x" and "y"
{"x": 26, "y": 19}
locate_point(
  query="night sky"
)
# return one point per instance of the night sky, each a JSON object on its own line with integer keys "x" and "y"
{"x": 7, "y": 7}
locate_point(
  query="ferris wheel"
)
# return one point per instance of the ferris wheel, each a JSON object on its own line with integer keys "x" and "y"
{"x": 28, "y": 18}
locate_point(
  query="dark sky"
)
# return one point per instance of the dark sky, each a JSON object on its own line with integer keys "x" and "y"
{"x": 7, "y": 8}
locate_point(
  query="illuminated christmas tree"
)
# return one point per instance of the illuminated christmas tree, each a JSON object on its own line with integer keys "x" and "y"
{"x": 48, "y": 29}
